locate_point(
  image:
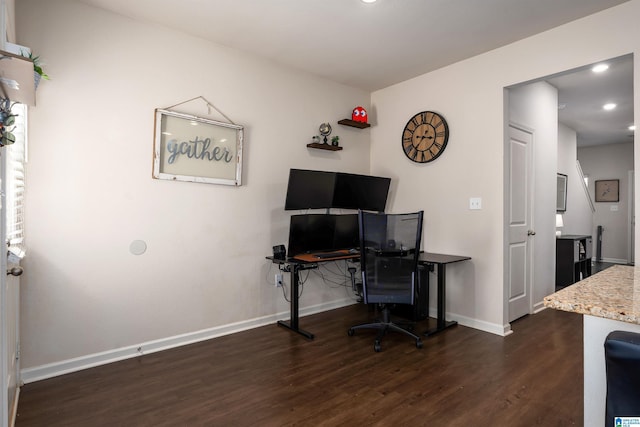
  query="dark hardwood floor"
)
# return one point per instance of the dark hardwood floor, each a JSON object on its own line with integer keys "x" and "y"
{"x": 271, "y": 377}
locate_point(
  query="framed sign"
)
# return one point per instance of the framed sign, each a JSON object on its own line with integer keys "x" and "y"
{"x": 608, "y": 190}
{"x": 561, "y": 193}
{"x": 190, "y": 148}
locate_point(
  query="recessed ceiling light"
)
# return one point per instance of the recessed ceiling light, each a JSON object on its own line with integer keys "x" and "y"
{"x": 600, "y": 68}
{"x": 632, "y": 127}
{"x": 368, "y": 1}
{"x": 609, "y": 106}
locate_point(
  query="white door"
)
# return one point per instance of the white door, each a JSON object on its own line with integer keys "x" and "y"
{"x": 10, "y": 347}
{"x": 9, "y": 315}
{"x": 520, "y": 249}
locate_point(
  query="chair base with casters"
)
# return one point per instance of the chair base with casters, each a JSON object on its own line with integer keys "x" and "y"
{"x": 384, "y": 325}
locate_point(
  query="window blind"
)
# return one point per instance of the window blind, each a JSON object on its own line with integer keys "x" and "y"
{"x": 15, "y": 185}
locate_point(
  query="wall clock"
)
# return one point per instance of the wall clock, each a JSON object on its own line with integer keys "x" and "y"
{"x": 425, "y": 137}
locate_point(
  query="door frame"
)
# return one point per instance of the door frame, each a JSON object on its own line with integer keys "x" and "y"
{"x": 4, "y": 302}
{"x": 9, "y": 318}
{"x": 631, "y": 217}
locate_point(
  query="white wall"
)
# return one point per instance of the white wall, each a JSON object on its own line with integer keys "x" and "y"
{"x": 578, "y": 218}
{"x": 610, "y": 162}
{"x": 470, "y": 96}
{"x": 90, "y": 191}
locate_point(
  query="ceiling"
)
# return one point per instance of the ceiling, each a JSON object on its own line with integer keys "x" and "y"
{"x": 582, "y": 93}
{"x": 372, "y": 46}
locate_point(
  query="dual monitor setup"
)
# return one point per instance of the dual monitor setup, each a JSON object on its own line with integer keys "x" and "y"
{"x": 310, "y": 189}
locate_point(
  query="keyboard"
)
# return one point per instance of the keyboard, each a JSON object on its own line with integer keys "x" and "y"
{"x": 324, "y": 255}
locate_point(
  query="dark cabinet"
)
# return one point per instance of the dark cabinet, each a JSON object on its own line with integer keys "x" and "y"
{"x": 573, "y": 259}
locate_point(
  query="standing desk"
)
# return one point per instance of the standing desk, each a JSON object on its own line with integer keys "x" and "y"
{"x": 428, "y": 259}
{"x": 293, "y": 267}
{"x": 440, "y": 261}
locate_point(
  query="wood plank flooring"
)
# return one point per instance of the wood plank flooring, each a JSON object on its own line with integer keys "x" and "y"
{"x": 269, "y": 376}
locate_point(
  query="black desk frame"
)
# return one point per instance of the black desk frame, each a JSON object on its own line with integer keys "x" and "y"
{"x": 428, "y": 259}
{"x": 294, "y": 267}
{"x": 441, "y": 261}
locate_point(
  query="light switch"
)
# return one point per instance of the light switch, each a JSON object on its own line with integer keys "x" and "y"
{"x": 614, "y": 208}
{"x": 475, "y": 203}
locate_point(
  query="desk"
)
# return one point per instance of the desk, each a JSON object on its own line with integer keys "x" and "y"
{"x": 441, "y": 261}
{"x": 294, "y": 266}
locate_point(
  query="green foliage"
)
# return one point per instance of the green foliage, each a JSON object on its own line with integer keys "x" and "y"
{"x": 37, "y": 66}
{"x": 7, "y": 118}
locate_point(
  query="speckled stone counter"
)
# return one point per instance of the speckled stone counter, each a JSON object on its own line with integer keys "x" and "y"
{"x": 613, "y": 293}
{"x": 609, "y": 301}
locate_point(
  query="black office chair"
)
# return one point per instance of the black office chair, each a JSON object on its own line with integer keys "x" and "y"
{"x": 622, "y": 361}
{"x": 389, "y": 250}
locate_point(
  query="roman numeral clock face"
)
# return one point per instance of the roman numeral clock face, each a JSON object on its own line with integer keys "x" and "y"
{"x": 425, "y": 137}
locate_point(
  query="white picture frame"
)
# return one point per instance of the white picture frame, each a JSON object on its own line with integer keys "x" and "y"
{"x": 561, "y": 193}
{"x": 194, "y": 149}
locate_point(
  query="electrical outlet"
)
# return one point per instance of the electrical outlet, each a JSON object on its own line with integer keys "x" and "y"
{"x": 278, "y": 280}
{"x": 475, "y": 203}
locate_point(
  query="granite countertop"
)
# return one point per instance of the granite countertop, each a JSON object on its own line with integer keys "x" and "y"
{"x": 613, "y": 293}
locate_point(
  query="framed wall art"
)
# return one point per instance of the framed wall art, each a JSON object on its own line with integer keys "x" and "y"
{"x": 561, "y": 194}
{"x": 608, "y": 190}
{"x": 194, "y": 149}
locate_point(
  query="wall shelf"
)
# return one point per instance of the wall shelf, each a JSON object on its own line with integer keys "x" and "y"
{"x": 324, "y": 146}
{"x": 17, "y": 81}
{"x": 353, "y": 123}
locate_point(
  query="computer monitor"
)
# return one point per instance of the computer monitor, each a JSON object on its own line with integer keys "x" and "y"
{"x": 365, "y": 192}
{"x": 309, "y": 189}
{"x": 322, "y": 232}
{"x": 345, "y": 232}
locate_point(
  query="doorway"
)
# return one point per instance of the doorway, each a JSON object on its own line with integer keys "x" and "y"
{"x": 520, "y": 220}
{"x": 580, "y": 126}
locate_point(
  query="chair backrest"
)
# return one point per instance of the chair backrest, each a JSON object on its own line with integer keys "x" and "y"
{"x": 389, "y": 251}
{"x": 622, "y": 362}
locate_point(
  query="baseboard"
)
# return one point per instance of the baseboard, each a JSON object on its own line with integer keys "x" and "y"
{"x": 14, "y": 408}
{"x": 613, "y": 260}
{"x": 51, "y": 370}
{"x": 538, "y": 307}
{"x": 493, "y": 328}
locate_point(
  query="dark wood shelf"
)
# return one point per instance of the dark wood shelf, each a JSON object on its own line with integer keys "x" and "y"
{"x": 324, "y": 146}
{"x": 353, "y": 123}
{"x": 573, "y": 259}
